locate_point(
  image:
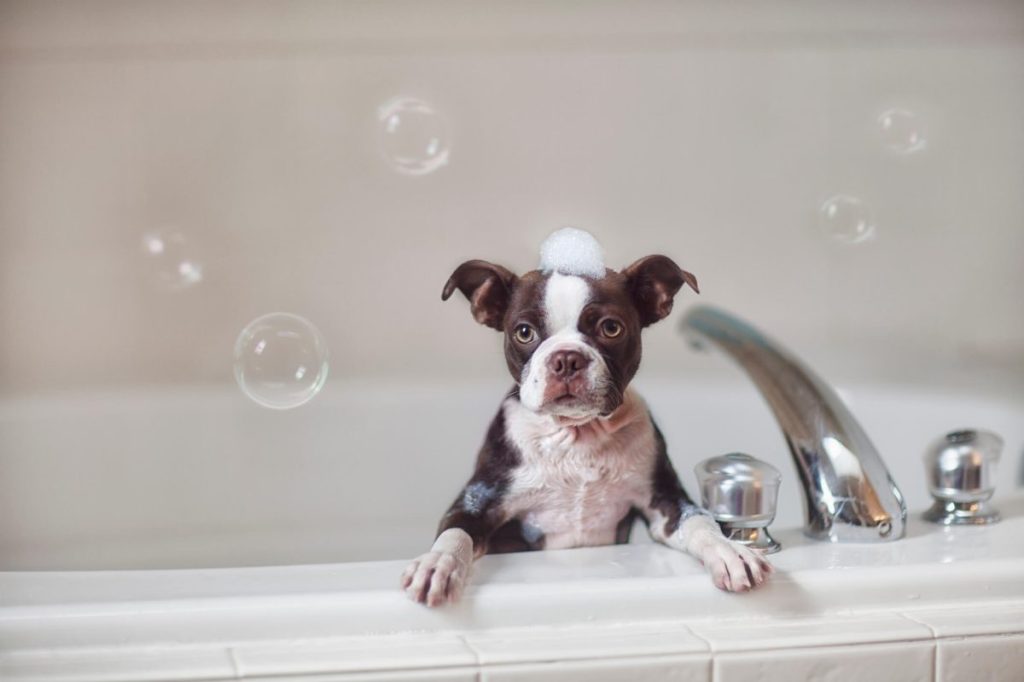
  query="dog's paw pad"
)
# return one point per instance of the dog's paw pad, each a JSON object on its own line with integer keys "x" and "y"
{"x": 734, "y": 567}
{"x": 435, "y": 578}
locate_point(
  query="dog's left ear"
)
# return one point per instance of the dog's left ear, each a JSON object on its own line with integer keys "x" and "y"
{"x": 653, "y": 283}
{"x": 488, "y": 288}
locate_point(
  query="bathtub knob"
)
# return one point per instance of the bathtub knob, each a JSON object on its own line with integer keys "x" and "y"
{"x": 961, "y": 471}
{"x": 741, "y": 492}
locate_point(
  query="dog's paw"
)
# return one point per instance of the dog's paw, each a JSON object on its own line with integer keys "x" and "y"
{"x": 734, "y": 567}
{"x": 435, "y": 578}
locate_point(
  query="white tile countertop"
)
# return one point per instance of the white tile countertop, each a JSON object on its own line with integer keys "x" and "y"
{"x": 913, "y": 609}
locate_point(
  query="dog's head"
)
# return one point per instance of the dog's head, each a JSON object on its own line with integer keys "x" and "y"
{"x": 572, "y": 327}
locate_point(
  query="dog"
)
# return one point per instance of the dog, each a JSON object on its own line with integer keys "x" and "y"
{"x": 573, "y": 456}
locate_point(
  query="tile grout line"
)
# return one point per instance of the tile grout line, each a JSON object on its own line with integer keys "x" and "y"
{"x": 935, "y": 641}
{"x": 711, "y": 651}
{"x": 476, "y": 655}
{"x": 236, "y": 665}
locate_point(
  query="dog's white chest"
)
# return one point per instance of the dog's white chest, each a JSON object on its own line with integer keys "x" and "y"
{"x": 575, "y": 484}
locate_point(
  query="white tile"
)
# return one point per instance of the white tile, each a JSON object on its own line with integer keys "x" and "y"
{"x": 568, "y": 643}
{"x": 994, "y": 619}
{"x": 776, "y": 633}
{"x": 438, "y": 675}
{"x": 117, "y": 665}
{"x": 642, "y": 669}
{"x": 355, "y": 655}
{"x": 981, "y": 659}
{"x": 901, "y": 662}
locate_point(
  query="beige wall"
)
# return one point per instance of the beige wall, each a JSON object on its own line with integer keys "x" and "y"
{"x": 710, "y": 134}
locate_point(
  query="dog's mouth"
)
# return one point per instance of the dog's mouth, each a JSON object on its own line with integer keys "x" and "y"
{"x": 566, "y": 399}
{"x": 566, "y": 394}
{"x": 570, "y": 404}
{"x": 580, "y": 403}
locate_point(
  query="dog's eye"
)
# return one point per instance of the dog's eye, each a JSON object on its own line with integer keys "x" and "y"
{"x": 611, "y": 329}
{"x": 525, "y": 334}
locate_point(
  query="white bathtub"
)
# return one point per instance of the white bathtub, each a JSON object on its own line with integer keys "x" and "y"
{"x": 187, "y": 534}
{"x": 268, "y": 545}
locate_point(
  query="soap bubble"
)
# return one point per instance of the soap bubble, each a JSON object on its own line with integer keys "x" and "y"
{"x": 846, "y": 219}
{"x": 413, "y": 136}
{"x": 173, "y": 267}
{"x": 281, "y": 361}
{"x": 902, "y": 131}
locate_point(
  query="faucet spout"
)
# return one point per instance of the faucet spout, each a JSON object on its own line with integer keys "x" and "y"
{"x": 849, "y": 495}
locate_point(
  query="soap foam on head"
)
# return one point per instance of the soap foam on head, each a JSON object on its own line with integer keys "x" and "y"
{"x": 572, "y": 252}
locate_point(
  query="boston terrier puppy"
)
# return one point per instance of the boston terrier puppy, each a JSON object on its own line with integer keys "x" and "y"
{"x": 572, "y": 456}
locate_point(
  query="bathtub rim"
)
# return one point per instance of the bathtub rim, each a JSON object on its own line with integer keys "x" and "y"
{"x": 351, "y": 617}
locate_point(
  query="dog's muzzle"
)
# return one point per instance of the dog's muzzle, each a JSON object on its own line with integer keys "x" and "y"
{"x": 565, "y": 379}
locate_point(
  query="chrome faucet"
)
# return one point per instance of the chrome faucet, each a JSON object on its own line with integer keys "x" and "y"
{"x": 849, "y": 495}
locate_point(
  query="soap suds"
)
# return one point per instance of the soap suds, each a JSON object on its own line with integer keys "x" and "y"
{"x": 572, "y": 252}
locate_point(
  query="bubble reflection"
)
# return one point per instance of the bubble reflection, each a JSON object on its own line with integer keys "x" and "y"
{"x": 846, "y": 219}
{"x": 171, "y": 263}
{"x": 413, "y": 136}
{"x": 902, "y": 131}
{"x": 281, "y": 361}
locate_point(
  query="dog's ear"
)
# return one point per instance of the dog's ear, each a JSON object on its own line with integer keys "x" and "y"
{"x": 653, "y": 282}
{"x": 488, "y": 288}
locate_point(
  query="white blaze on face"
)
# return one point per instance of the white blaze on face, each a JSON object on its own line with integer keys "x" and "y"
{"x": 564, "y": 299}
{"x": 565, "y": 296}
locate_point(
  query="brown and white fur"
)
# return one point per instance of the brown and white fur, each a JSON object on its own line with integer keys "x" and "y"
{"x": 572, "y": 456}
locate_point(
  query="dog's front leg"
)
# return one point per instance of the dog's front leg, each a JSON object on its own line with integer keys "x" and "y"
{"x": 733, "y": 567}
{"x": 440, "y": 575}
{"x": 674, "y": 520}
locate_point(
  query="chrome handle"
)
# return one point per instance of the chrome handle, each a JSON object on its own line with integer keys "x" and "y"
{"x": 741, "y": 493}
{"x": 961, "y": 469}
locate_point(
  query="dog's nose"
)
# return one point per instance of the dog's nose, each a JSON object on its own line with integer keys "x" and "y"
{"x": 567, "y": 363}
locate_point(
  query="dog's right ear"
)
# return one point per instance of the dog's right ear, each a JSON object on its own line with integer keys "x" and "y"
{"x": 488, "y": 288}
